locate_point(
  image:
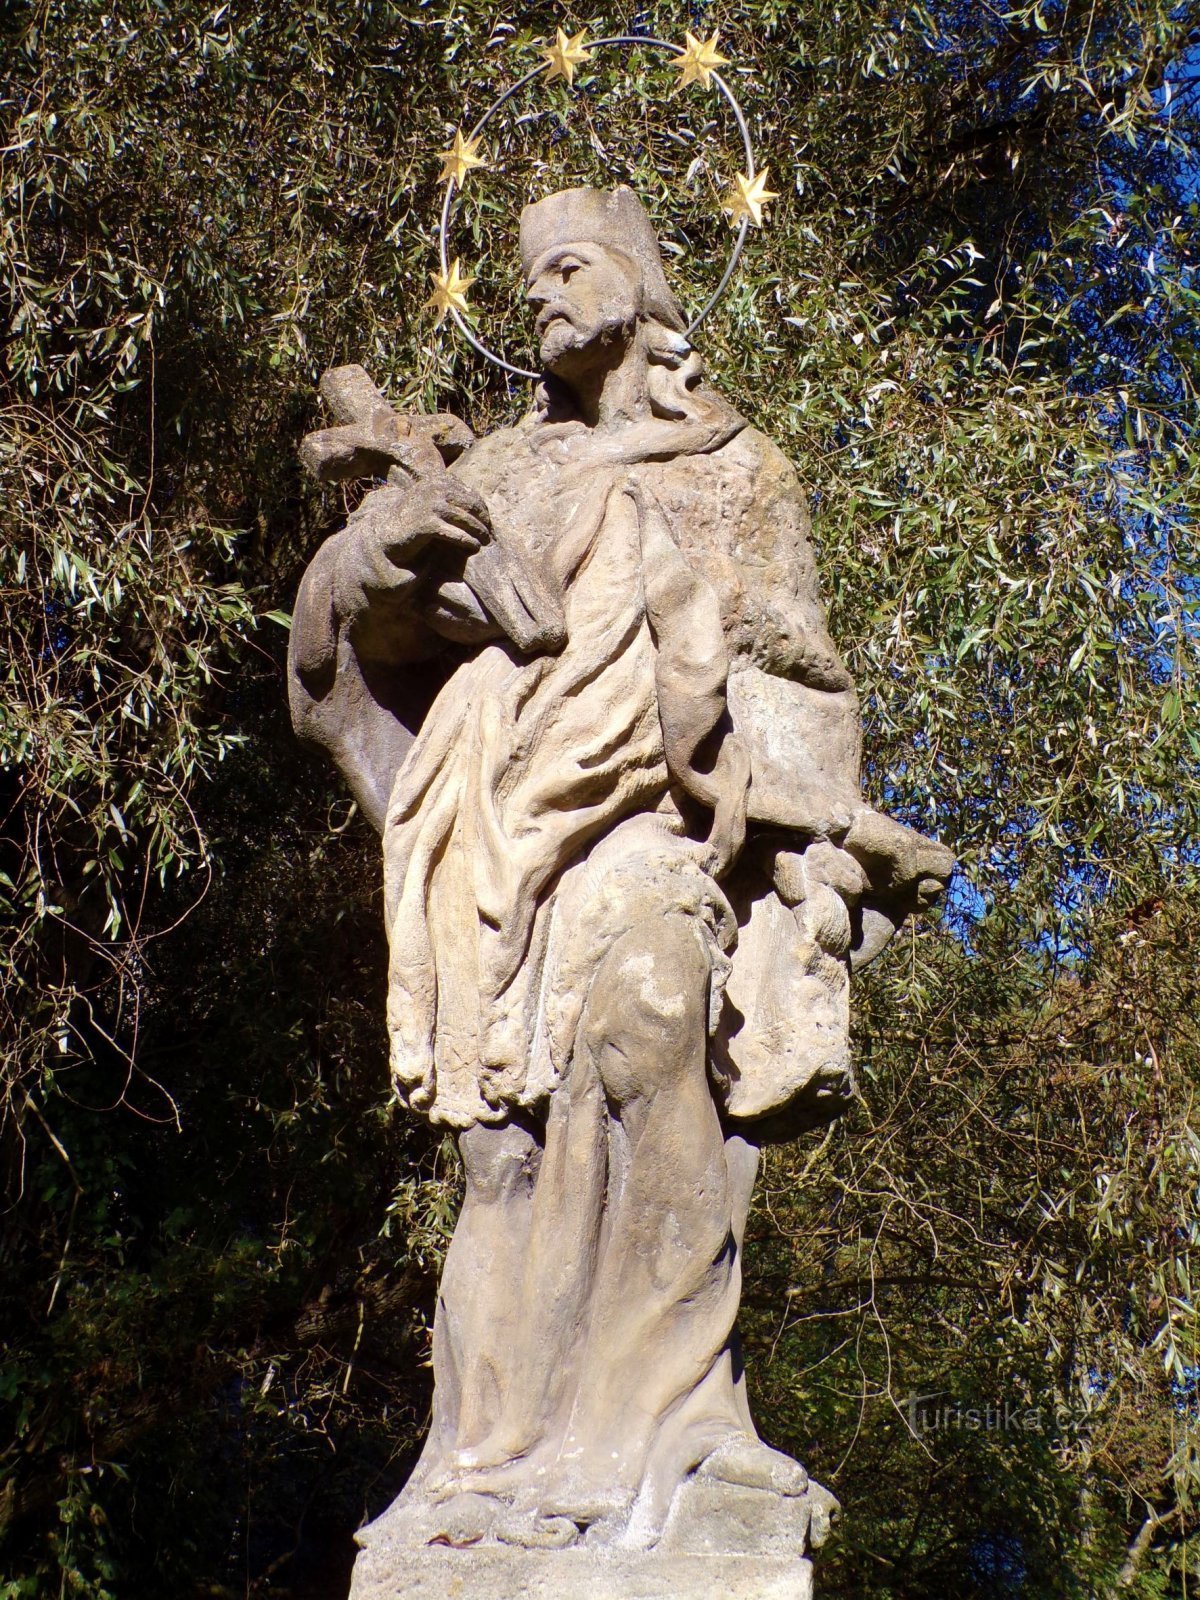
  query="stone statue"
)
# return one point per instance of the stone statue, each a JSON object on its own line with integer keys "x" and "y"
{"x": 577, "y": 674}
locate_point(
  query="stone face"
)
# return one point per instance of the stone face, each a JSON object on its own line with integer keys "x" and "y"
{"x": 577, "y": 674}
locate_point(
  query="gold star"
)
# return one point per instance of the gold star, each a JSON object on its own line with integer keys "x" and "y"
{"x": 459, "y": 159}
{"x": 747, "y": 197}
{"x": 449, "y": 291}
{"x": 564, "y": 55}
{"x": 699, "y": 60}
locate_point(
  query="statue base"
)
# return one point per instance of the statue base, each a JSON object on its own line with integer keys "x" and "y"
{"x": 721, "y": 1542}
{"x": 492, "y": 1572}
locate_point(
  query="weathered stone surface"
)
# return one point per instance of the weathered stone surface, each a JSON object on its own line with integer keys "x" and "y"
{"x": 500, "y": 1574}
{"x": 711, "y": 1518}
{"x": 578, "y": 675}
{"x": 721, "y": 1542}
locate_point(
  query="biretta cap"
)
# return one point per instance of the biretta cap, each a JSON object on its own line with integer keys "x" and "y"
{"x": 613, "y": 217}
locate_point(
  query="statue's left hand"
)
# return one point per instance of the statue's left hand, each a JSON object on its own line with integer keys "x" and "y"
{"x": 900, "y": 863}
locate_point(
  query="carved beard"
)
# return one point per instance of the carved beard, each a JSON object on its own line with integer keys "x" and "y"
{"x": 569, "y": 350}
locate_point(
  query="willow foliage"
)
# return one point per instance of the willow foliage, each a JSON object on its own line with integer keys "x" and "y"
{"x": 972, "y": 322}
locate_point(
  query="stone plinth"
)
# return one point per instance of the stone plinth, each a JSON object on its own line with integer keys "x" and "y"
{"x": 721, "y": 1542}
{"x": 493, "y": 1572}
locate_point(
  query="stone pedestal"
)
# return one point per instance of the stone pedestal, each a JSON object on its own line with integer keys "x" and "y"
{"x": 492, "y": 1572}
{"x": 720, "y": 1542}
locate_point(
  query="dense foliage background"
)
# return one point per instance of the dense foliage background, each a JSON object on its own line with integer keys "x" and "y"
{"x": 973, "y": 324}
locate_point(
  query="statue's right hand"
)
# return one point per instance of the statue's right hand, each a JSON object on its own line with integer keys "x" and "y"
{"x": 383, "y": 539}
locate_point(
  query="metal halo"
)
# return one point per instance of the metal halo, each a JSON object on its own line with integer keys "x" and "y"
{"x": 627, "y": 39}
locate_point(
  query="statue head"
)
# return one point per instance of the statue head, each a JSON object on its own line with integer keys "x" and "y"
{"x": 593, "y": 273}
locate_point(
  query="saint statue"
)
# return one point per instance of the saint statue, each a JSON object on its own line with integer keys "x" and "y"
{"x": 577, "y": 673}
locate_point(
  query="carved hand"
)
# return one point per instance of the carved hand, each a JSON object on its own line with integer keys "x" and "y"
{"x": 384, "y": 538}
{"x": 899, "y": 861}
